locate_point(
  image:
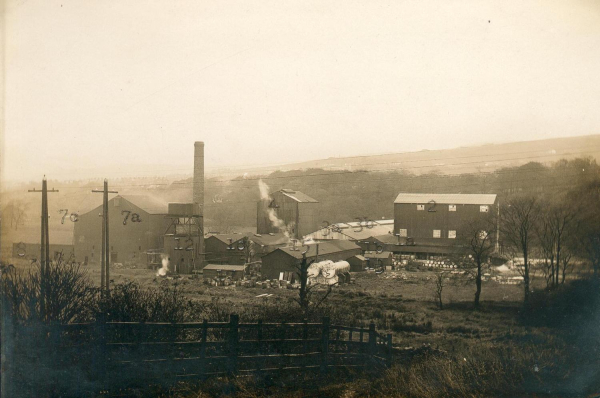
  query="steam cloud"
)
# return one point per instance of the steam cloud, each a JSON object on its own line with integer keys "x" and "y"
{"x": 275, "y": 221}
{"x": 165, "y": 266}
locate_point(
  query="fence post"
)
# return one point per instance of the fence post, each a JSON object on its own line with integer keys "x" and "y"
{"x": 8, "y": 349}
{"x": 304, "y": 343}
{"x": 324, "y": 344}
{"x": 234, "y": 321}
{"x": 259, "y": 343}
{"x": 372, "y": 339}
{"x": 101, "y": 353}
{"x": 203, "y": 348}
{"x": 390, "y": 350}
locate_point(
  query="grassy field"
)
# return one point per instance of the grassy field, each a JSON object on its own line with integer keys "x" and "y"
{"x": 501, "y": 349}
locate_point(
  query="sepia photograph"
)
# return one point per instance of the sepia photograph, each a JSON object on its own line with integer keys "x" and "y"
{"x": 284, "y": 198}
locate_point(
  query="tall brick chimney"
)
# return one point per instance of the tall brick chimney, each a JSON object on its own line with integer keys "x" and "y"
{"x": 198, "y": 192}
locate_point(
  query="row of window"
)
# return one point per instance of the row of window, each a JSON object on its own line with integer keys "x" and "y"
{"x": 437, "y": 233}
{"x": 482, "y": 209}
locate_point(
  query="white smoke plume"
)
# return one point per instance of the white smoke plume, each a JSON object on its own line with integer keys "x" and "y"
{"x": 165, "y": 266}
{"x": 275, "y": 221}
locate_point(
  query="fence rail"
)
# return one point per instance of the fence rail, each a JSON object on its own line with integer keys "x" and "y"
{"x": 120, "y": 354}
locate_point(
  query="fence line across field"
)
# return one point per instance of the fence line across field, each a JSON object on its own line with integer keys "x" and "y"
{"x": 121, "y": 353}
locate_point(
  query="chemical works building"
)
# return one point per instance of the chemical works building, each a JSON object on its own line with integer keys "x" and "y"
{"x": 299, "y": 212}
{"x": 434, "y": 223}
{"x": 136, "y": 223}
{"x": 286, "y": 259}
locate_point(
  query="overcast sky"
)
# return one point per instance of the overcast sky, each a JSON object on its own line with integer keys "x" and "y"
{"x": 102, "y": 87}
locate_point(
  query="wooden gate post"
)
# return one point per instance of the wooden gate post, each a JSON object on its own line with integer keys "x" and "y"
{"x": 8, "y": 349}
{"x": 203, "y": 348}
{"x": 390, "y": 350}
{"x": 234, "y": 321}
{"x": 324, "y": 344}
{"x": 372, "y": 339}
{"x": 101, "y": 354}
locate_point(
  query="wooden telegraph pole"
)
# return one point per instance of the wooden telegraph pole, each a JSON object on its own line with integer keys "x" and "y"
{"x": 105, "y": 268}
{"x": 44, "y": 245}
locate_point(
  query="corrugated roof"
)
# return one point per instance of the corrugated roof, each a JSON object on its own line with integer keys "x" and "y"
{"x": 325, "y": 248}
{"x": 354, "y": 230}
{"x": 225, "y": 237}
{"x": 377, "y": 255}
{"x": 298, "y": 196}
{"x": 446, "y": 198}
{"x": 360, "y": 257}
{"x": 224, "y": 267}
{"x": 269, "y": 240}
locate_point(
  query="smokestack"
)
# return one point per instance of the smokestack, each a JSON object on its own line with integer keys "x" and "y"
{"x": 199, "y": 175}
{"x": 198, "y": 193}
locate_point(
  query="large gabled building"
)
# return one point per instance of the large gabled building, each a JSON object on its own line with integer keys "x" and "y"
{"x": 288, "y": 258}
{"x": 435, "y": 223}
{"x": 298, "y": 212}
{"x": 137, "y": 225}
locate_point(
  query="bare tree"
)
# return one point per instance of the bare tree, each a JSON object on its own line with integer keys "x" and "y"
{"x": 479, "y": 240}
{"x": 440, "y": 283}
{"x": 16, "y": 212}
{"x": 587, "y": 240}
{"x": 518, "y": 218}
{"x": 305, "y": 294}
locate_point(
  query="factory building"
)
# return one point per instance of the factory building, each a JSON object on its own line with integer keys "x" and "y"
{"x": 183, "y": 237}
{"x": 298, "y": 212}
{"x": 354, "y": 231}
{"x": 226, "y": 249}
{"x": 265, "y": 244}
{"x": 435, "y": 223}
{"x": 136, "y": 224}
{"x": 31, "y": 251}
{"x": 288, "y": 258}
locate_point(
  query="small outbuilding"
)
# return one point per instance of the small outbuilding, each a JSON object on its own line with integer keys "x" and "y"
{"x": 374, "y": 259}
{"x": 357, "y": 263}
{"x": 215, "y": 271}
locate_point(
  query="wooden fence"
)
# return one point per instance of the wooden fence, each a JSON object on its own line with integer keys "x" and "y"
{"x": 122, "y": 354}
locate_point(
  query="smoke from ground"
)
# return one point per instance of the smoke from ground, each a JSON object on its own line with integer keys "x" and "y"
{"x": 165, "y": 266}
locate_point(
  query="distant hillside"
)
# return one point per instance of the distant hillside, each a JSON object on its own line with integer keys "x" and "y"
{"x": 484, "y": 158}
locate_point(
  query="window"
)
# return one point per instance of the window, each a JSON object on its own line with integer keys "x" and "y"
{"x": 484, "y": 209}
{"x": 437, "y": 233}
{"x": 93, "y": 247}
{"x": 420, "y": 207}
{"x": 139, "y": 248}
{"x": 403, "y": 233}
{"x": 451, "y": 234}
{"x": 451, "y": 207}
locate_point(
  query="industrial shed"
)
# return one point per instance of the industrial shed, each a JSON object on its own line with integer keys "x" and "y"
{"x": 265, "y": 244}
{"x": 357, "y": 263}
{"x": 299, "y": 212}
{"x": 226, "y": 249}
{"x": 136, "y": 222}
{"x": 437, "y": 221}
{"x": 374, "y": 259}
{"x": 354, "y": 231}
{"x": 286, "y": 259}
{"x": 214, "y": 271}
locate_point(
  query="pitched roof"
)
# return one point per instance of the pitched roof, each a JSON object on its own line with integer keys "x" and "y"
{"x": 224, "y": 267}
{"x": 360, "y": 257}
{"x": 377, "y": 255}
{"x": 147, "y": 203}
{"x": 325, "y": 248}
{"x": 225, "y": 237}
{"x": 269, "y": 240}
{"x": 354, "y": 230}
{"x": 446, "y": 198}
{"x": 298, "y": 196}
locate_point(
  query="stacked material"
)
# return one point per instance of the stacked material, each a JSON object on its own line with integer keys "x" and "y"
{"x": 328, "y": 273}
